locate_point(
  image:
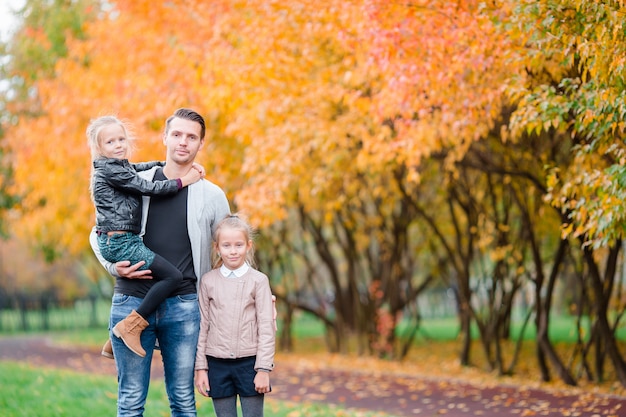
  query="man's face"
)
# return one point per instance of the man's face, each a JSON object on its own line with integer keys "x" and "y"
{"x": 183, "y": 141}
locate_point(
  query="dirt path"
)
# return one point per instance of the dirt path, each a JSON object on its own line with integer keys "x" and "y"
{"x": 397, "y": 395}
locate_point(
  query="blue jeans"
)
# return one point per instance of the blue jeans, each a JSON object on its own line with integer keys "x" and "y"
{"x": 176, "y": 324}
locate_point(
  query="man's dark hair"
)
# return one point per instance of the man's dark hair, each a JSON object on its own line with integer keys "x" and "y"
{"x": 187, "y": 114}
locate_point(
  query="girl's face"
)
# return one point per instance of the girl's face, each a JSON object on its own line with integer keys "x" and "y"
{"x": 232, "y": 247}
{"x": 113, "y": 142}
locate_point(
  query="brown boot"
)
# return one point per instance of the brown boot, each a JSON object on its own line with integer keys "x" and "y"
{"x": 107, "y": 349}
{"x": 129, "y": 330}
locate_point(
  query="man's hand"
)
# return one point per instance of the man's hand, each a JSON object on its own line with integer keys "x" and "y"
{"x": 126, "y": 270}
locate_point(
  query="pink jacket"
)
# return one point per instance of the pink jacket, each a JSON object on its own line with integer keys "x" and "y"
{"x": 236, "y": 318}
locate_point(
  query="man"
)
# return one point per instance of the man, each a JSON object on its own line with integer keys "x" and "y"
{"x": 179, "y": 228}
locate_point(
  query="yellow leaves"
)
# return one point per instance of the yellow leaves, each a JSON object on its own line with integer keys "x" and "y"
{"x": 305, "y": 104}
{"x": 422, "y": 385}
{"x": 500, "y": 253}
{"x": 592, "y": 198}
{"x": 595, "y": 36}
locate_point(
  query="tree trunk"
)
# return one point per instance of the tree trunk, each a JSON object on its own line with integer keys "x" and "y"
{"x": 465, "y": 318}
{"x": 602, "y": 292}
{"x": 544, "y": 304}
{"x": 286, "y": 341}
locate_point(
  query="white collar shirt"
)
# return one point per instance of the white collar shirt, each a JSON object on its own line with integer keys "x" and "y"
{"x": 237, "y": 273}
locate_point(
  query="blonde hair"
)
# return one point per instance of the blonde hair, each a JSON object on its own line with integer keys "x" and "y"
{"x": 95, "y": 143}
{"x": 96, "y": 126}
{"x": 234, "y": 222}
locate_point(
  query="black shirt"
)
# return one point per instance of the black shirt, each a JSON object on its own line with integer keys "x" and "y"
{"x": 167, "y": 235}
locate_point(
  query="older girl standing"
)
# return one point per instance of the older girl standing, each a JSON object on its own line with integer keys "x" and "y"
{"x": 237, "y": 335}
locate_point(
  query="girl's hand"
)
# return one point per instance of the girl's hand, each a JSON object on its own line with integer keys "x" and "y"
{"x": 262, "y": 382}
{"x": 192, "y": 176}
{"x": 199, "y": 168}
{"x": 202, "y": 382}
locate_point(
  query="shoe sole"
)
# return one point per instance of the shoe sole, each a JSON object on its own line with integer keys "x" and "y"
{"x": 107, "y": 355}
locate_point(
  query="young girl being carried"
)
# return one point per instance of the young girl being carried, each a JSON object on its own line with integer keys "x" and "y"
{"x": 117, "y": 190}
{"x": 237, "y": 330}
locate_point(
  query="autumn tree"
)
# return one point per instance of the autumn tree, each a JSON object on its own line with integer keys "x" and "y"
{"x": 445, "y": 67}
{"x": 353, "y": 218}
{"x": 31, "y": 55}
{"x": 577, "y": 48}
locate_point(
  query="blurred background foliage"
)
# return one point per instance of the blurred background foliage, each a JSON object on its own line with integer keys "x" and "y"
{"x": 401, "y": 160}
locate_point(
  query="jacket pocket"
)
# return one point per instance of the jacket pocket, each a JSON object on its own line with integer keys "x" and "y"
{"x": 249, "y": 337}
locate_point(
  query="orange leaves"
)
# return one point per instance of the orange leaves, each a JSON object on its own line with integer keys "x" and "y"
{"x": 133, "y": 63}
{"x": 297, "y": 96}
{"x": 443, "y": 64}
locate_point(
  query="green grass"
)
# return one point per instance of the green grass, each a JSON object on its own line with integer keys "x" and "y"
{"x": 562, "y": 329}
{"x": 29, "y": 391}
{"x": 34, "y": 392}
{"x": 84, "y": 315}
{"x": 81, "y": 314}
